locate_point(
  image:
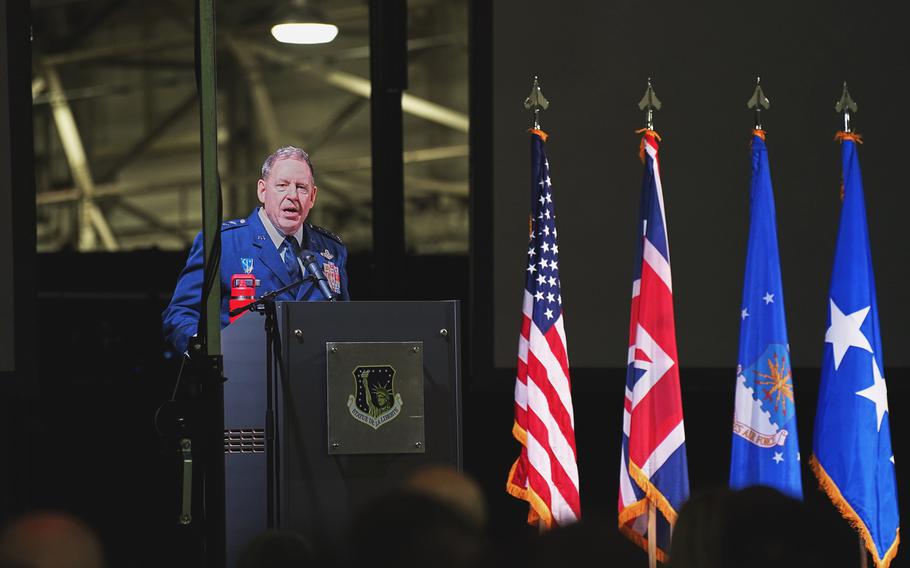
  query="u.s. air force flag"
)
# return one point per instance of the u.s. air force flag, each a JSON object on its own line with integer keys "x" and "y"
{"x": 765, "y": 444}
{"x": 852, "y": 440}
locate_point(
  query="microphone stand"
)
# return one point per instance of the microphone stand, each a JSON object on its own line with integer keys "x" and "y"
{"x": 266, "y": 304}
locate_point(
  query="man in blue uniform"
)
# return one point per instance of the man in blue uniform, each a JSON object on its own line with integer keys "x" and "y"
{"x": 269, "y": 244}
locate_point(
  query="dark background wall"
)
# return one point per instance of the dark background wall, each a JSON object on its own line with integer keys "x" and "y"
{"x": 17, "y": 201}
{"x": 594, "y": 59}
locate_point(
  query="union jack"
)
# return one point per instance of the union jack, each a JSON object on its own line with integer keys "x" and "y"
{"x": 546, "y": 473}
{"x": 653, "y": 465}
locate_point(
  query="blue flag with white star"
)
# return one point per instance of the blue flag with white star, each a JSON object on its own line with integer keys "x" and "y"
{"x": 765, "y": 445}
{"x": 852, "y": 457}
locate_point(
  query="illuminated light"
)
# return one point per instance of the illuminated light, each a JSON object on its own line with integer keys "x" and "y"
{"x": 304, "y": 33}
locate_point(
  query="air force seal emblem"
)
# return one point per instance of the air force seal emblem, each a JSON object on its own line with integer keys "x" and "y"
{"x": 764, "y": 399}
{"x": 374, "y": 401}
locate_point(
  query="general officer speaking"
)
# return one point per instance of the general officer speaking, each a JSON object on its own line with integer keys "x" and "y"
{"x": 268, "y": 244}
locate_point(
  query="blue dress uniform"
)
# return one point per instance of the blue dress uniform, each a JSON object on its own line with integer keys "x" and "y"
{"x": 246, "y": 243}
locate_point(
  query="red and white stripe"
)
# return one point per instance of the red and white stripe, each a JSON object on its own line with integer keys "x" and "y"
{"x": 544, "y": 421}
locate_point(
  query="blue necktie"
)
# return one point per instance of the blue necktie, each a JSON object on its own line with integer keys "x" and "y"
{"x": 291, "y": 252}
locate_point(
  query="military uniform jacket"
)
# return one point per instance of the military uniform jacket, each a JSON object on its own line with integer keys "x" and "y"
{"x": 245, "y": 243}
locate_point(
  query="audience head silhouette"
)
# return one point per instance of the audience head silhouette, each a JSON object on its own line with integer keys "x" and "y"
{"x": 50, "y": 540}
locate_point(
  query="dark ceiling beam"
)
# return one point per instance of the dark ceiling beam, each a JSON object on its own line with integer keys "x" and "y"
{"x": 146, "y": 217}
{"x": 336, "y": 123}
{"x": 142, "y": 144}
{"x": 86, "y": 27}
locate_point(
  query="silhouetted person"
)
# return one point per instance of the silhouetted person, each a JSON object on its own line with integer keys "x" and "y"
{"x": 592, "y": 541}
{"x": 50, "y": 540}
{"x": 277, "y": 549}
{"x": 408, "y": 529}
{"x": 751, "y": 528}
{"x": 449, "y": 486}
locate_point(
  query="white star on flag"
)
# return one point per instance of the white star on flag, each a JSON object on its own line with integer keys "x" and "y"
{"x": 845, "y": 333}
{"x": 744, "y": 313}
{"x": 778, "y": 457}
{"x": 549, "y": 314}
{"x": 768, "y": 298}
{"x": 877, "y": 393}
{"x": 531, "y": 269}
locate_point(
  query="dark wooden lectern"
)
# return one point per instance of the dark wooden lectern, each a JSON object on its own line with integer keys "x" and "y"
{"x": 366, "y": 392}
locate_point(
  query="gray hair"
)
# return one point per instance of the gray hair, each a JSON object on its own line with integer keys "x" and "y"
{"x": 284, "y": 153}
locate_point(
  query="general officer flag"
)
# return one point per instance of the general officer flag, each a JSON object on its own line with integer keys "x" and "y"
{"x": 765, "y": 445}
{"x": 546, "y": 473}
{"x": 653, "y": 465}
{"x": 852, "y": 457}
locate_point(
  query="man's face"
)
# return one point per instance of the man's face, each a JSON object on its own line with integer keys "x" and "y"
{"x": 288, "y": 194}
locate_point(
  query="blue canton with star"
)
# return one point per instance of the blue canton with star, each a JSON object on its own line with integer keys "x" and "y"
{"x": 543, "y": 251}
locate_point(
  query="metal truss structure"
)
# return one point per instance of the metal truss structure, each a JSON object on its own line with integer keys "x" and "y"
{"x": 116, "y": 120}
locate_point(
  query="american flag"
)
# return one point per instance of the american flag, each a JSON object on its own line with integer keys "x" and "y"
{"x": 653, "y": 463}
{"x": 545, "y": 474}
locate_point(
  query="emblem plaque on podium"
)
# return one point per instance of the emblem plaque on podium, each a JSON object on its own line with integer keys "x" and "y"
{"x": 374, "y": 402}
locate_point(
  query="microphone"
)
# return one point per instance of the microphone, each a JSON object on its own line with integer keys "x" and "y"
{"x": 312, "y": 267}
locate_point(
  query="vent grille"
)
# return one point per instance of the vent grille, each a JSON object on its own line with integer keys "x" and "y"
{"x": 244, "y": 441}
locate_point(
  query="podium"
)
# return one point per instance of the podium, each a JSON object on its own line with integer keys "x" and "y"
{"x": 366, "y": 392}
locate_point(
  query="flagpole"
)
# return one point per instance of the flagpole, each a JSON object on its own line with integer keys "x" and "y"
{"x": 535, "y": 102}
{"x": 652, "y": 534}
{"x": 863, "y": 556}
{"x": 542, "y": 338}
{"x": 844, "y": 106}
{"x": 757, "y": 102}
{"x": 649, "y": 103}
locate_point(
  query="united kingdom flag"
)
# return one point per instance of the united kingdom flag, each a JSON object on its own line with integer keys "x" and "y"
{"x": 653, "y": 467}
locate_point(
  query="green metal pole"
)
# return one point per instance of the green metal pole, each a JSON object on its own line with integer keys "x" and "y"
{"x": 211, "y": 214}
{"x": 212, "y": 372}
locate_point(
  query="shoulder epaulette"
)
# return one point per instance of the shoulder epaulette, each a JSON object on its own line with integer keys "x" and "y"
{"x": 326, "y": 232}
{"x": 233, "y": 224}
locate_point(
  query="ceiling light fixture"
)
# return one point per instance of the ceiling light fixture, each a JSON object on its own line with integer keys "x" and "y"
{"x": 302, "y": 23}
